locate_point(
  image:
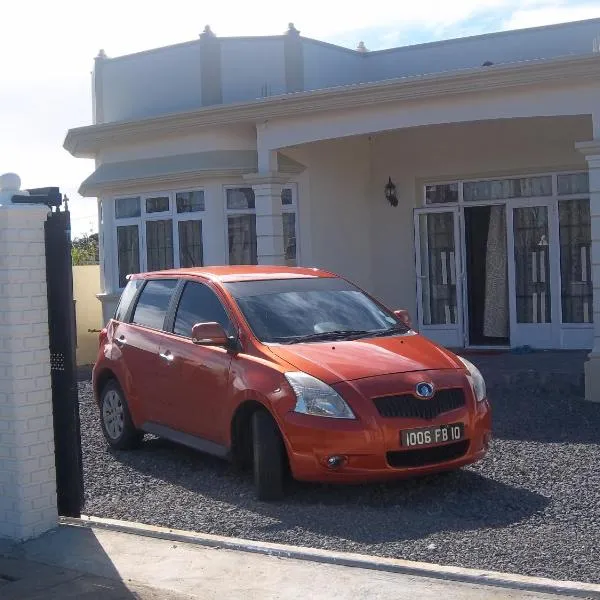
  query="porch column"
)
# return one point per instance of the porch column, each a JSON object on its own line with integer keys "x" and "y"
{"x": 591, "y": 151}
{"x": 269, "y": 222}
{"x": 27, "y": 469}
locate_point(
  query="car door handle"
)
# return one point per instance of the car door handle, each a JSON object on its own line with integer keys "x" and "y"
{"x": 121, "y": 341}
{"x": 168, "y": 356}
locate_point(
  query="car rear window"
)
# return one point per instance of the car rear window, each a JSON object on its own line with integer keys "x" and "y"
{"x": 154, "y": 301}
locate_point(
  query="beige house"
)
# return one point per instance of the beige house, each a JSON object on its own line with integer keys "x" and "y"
{"x": 459, "y": 179}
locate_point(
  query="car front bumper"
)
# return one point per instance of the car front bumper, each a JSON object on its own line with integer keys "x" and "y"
{"x": 370, "y": 445}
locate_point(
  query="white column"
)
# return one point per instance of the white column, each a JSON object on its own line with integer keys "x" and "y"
{"x": 269, "y": 222}
{"x": 591, "y": 150}
{"x": 27, "y": 471}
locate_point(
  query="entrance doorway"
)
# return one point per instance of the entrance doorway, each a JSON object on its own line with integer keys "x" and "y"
{"x": 486, "y": 262}
{"x": 506, "y": 262}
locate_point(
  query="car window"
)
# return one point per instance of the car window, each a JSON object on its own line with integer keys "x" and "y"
{"x": 153, "y": 303}
{"x": 199, "y": 304}
{"x": 127, "y": 298}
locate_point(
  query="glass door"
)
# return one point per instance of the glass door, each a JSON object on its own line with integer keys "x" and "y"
{"x": 439, "y": 276}
{"x": 533, "y": 276}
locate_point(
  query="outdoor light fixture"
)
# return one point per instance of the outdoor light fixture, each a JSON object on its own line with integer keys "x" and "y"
{"x": 390, "y": 192}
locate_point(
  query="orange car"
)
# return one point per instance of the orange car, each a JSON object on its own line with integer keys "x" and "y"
{"x": 285, "y": 369}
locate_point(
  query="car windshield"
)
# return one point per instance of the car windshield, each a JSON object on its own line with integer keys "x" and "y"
{"x": 311, "y": 309}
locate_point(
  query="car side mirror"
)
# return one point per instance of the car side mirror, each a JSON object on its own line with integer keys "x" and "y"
{"x": 403, "y": 315}
{"x": 209, "y": 334}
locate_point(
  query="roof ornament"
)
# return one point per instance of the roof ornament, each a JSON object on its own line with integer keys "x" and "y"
{"x": 292, "y": 30}
{"x": 361, "y": 47}
{"x": 101, "y": 54}
{"x": 207, "y": 33}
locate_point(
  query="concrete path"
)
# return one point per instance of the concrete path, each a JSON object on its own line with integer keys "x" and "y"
{"x": 90, "y": 562}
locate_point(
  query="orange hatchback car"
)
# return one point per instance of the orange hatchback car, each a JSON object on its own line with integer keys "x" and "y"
{"x": 285, "y": 370}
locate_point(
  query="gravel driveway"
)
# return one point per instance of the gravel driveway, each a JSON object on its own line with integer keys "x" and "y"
{"x": 531, "y": 507}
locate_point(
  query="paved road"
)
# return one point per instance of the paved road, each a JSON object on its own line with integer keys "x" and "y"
{"x": 107, "y": 565}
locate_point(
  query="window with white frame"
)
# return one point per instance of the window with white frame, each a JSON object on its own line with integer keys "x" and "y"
{"x": 568, "y": 195}
{"x": 241, "y": 225}
{"x": 159, "y": 231}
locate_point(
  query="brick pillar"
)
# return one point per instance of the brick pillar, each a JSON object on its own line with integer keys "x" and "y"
{"x": 27, "y": 471}
{"x": 269, "y": 221}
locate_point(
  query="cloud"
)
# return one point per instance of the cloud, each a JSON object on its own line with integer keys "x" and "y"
{"x": 536, "y": 16}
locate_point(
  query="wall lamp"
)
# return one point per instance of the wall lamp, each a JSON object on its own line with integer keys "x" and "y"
{"x": 390, "y": 192}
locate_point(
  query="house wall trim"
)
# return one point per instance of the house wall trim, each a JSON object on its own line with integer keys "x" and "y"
{"x": 86, "y": 142}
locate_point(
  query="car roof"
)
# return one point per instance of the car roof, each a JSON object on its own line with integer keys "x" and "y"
{"x": 232, "y": 273}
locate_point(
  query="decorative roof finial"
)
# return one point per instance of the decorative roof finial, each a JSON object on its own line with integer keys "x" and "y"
{"x": 292, "y": 30}
{"x": 361, "y": 47}
{"x": 207, "y": 33}
{"x": 101, "y": 54}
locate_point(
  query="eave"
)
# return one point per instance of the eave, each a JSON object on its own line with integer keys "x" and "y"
{"x": 86, "y": 142}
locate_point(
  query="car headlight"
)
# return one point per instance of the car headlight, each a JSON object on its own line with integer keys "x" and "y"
{"x": 477, "y": 380}
{"x": 314, "y": 397}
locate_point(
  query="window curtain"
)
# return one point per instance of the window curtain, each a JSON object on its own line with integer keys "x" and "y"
{"x": 242, "y": 240}
{"x": 532, "y": 269}
{"x": 495, "y": 315}
{"x": 190, "y": 243}
{"x": 438, "y": 262}
{"x": 575, "y": 261}
{"x": 159, "y": 244}
{"x": 128, "y": 249}
{"x": 289, "y": 238}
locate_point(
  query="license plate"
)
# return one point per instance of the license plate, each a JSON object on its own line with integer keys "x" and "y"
{"x": 425, "y": 436}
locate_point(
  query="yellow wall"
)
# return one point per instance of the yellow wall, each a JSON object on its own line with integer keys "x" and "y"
{"x": 86, "y": 284}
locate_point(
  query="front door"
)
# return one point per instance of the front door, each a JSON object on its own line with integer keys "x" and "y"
{"x": 440, "y": 276}
{"x": 533, "y": 274}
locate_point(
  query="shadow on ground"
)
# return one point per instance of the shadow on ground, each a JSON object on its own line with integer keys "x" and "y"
{"x": 379, "y": 513}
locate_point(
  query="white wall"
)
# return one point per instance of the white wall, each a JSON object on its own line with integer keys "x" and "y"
{"x": 421, "y": 154}
{"x": 248, "y": 64}
{"x": 167, "y": 80}
{"x": 326, "y": 65}
{"x": 240, "y": 137}
{"x": 152, "y": 83}
{"x": 505, "y": 47}
{"x": 354, "y": 230}
{"x": 336, "y": 210}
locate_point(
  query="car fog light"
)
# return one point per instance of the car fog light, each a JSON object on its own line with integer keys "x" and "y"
{"x": 333, "y": 462}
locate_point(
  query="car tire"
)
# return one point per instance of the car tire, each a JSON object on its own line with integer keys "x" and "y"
{"x": 268, "y": 457}
{"x": 115, "y": 419}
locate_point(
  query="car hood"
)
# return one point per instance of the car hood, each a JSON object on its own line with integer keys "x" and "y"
{"x": 337, "y": 361}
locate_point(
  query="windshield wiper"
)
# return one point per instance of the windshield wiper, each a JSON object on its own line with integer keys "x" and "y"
{"x": 393, "y": 330}
{"x": 323, "y": 336}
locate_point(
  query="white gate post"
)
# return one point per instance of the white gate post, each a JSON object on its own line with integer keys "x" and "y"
{"x": 27, "y": 467}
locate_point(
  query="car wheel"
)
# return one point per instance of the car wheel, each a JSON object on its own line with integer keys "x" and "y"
{"x": 268, "y": 457}
{"x": 117, "y": 426}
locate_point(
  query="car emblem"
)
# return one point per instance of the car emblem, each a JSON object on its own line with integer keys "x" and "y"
{"x": 424, "y": 389}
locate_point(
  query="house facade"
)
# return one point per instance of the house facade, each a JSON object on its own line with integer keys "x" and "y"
{"x": 457, "y": 179}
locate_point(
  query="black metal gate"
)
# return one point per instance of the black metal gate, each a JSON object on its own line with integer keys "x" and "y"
{"x": 63, "y": 366}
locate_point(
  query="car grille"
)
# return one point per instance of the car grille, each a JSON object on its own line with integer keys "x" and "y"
{"x": 427, "y": 456}
{"x": 406, "y": 406}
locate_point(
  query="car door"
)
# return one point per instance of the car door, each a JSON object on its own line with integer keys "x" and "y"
{"x": 199, "y": 374}
{"x": 140, "y": 342}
